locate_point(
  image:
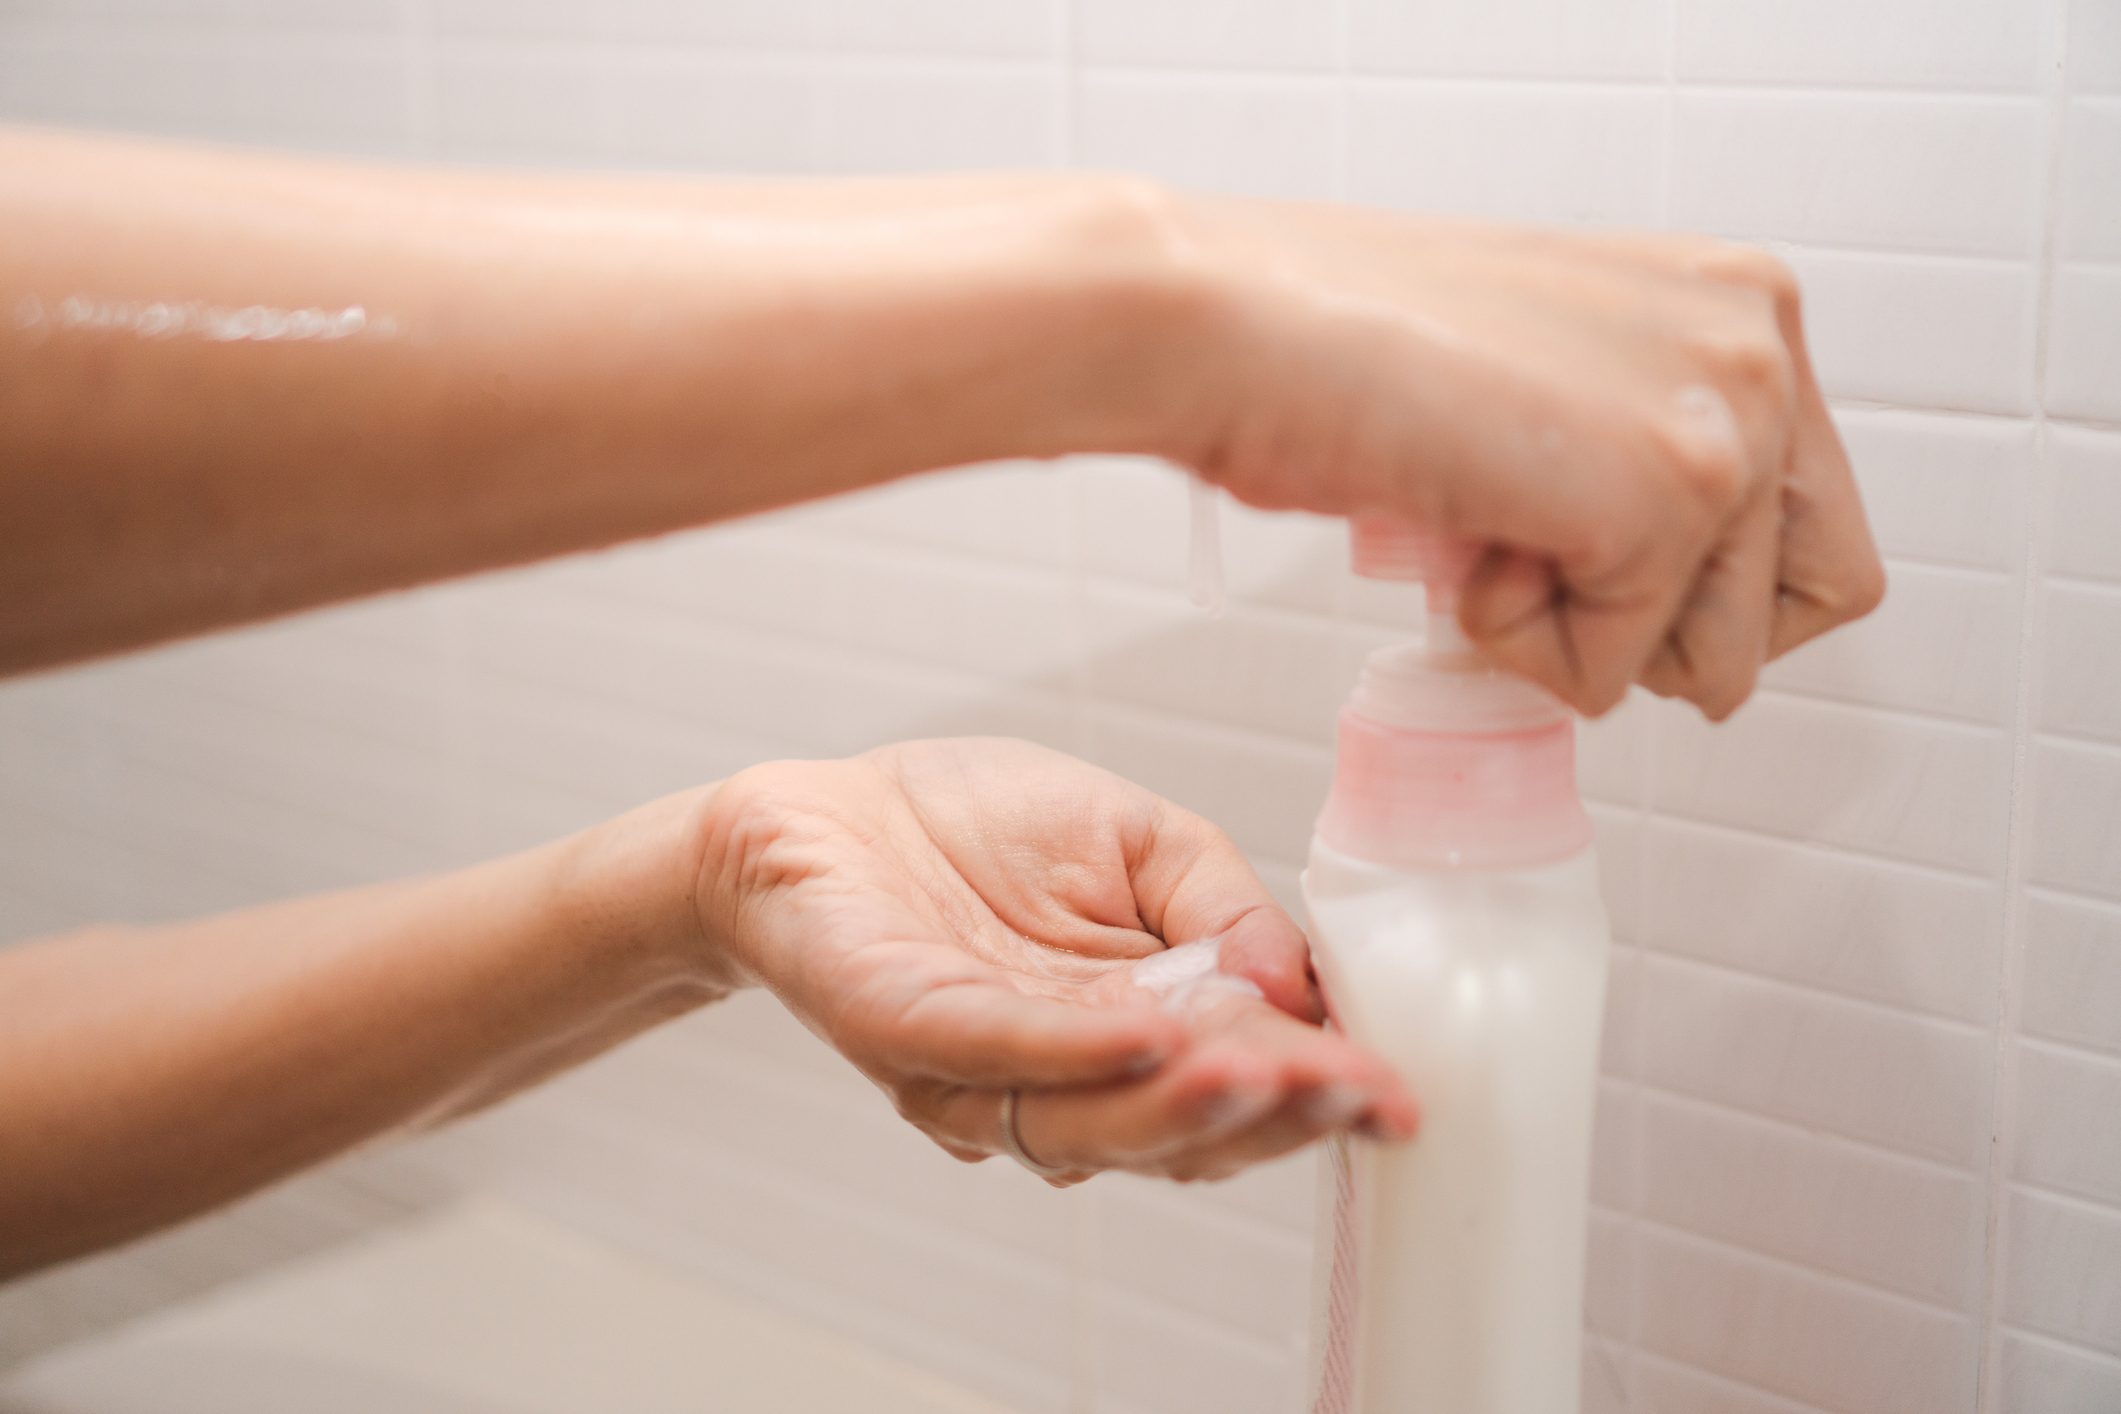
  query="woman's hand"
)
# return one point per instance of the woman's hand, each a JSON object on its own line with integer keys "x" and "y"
{"x": 1631, "y": 422}
{"x": 960, "y": 918}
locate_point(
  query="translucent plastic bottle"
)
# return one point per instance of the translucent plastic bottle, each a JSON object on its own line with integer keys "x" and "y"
{"x": 1458, "y": 932}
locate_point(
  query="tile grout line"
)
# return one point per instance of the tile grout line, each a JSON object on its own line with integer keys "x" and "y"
{"x": 1085, "y": 1364}
{"x": 1646, "y": 814}
{"x": 416, "y": 45}
{"x": 2003, "y": 1069}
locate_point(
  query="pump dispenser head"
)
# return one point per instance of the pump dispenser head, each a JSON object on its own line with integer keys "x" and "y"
{"x": 1387, "y": 547}
{"x": 1446, "y": 760}
{"x": 1442, "y": 683}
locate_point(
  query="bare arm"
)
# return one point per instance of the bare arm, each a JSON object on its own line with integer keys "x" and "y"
{"x": 956, "y": 918}
{"x": 233, "y": 385}
{"x": 147, "y": 1074}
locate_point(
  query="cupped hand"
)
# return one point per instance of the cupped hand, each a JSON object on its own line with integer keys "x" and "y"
{"x": 963, "y": 918}
{"x": 1631, "y": 423}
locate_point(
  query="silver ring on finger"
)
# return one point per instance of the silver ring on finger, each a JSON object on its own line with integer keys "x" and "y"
{"x": 1013, "y": 1142}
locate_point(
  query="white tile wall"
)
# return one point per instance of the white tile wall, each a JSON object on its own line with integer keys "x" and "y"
{"x": 1264, "y": 136}
{"x": 1857, "y": 1135}
{"x": 1507, "y": 150}
{"x": 1556, "y": 38}
{"x": 1928, "y": 44}
{"x": 1950, "y": 174}
{"x": 1194, "y": 34}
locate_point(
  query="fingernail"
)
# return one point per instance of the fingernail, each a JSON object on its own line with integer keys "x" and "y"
{"x": 1235, "y": 1108}
{"x": 1335, "y": 1107}
{"x": 1146, "y": 1062}
{"x": 1378, "y": 1128}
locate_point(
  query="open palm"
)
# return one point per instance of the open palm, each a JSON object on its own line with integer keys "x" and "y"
{"x": 961, "y": 918}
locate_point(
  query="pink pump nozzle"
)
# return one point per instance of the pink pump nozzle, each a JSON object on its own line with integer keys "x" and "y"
{"x": 1387, "y": 547}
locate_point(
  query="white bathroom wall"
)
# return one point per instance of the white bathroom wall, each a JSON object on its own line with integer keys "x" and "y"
{"x": 1860, "y": 1127}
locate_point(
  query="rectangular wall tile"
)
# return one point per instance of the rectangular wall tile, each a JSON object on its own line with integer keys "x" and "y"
{"x": 932, "y": 117}
{"x": 1944, "y": 640}
{"x": 1266, "y": 796}
{"x": 1930, "y": 792}
{"x": 1609, "y": 1283}
{"x": 2080, "y": 661}
{"x": 734, "y": 23}
{"x": 1917, "y": 43}
{"x": 2037, "y": 1374}
{"x": 1886, "y": 172}
{"x": 1666, "y": 1386}
{"x": 2084, "y": 343}
{"x": 2091, "y": 207}
{"x": 1926, "y": 333}
{"x": 1150, "y": 1360}
{"x": 2072, "y": 972}
{"x": 1002, "y": 29}
{"x": 367, "y": 17}
{"x": 1267, "y": 671}
{"x": 331, "y": 93}
{"x": 1135, "y": 528}
{"x": 1914, "y": 1085}
{"x": 1258, "y": 137}
{"x": 2062, "y": 1270}
{"x": 1905, "y": 1226}
{"x": 1915, "y": 938}
{"x": 2093, "y": 58}
{"x": 1815, "y": 1340}
{"x": 633, "y": 110}
{"x": 1547, "y": 37}
{"x": 1937, "y": 487}
{"x": 1168, "y": 1247}
{"x": 2076, "y": 822}
{"x": 2087, "y": 503}
{"x": 2060, "y": 1145}
{"x": 1519, "y": 153}
{"x": 1246, "y": 34}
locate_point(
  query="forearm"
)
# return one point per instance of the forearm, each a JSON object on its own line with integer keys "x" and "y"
{"x": 148, "y": 1074}
{"x": 232, "y": 386}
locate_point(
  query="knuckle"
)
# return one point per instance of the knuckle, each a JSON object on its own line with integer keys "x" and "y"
{"x": 1753, "y": 268}
{"x": 1757, "y": 366}
{"x": 1711, "y": 471}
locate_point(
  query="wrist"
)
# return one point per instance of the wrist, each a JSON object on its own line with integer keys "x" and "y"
{"x": 630, "y": 885}
{"x": 1137, "y": 366}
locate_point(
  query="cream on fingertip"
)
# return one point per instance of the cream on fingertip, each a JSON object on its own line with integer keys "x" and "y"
{"x": 1188, "y": 976}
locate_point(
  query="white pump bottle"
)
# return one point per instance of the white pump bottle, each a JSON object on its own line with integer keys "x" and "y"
{"x": 1458, "y": 932}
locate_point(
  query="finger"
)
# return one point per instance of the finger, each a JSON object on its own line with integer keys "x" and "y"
{"x": 1192, "y": 882}
{"x": 1829, "y": 571}
{"x": 1304, "y": 1118}
{"x": 1584, "y": 647}
{"x": 1209, "y": 1090}
{"x": 1329, "y": 1091}
{"x": 1714, "y": 653}
{"x": 1256, "y": 1059}
{"x": 1587, "y": 624}
{"x": 964, "y": 1022}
